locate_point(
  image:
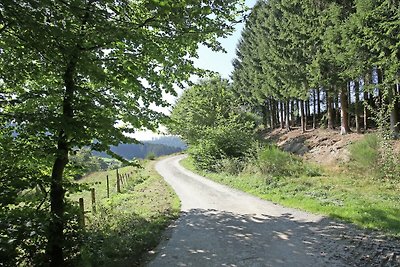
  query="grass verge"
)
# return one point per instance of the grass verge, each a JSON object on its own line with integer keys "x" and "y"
{"x": 338, "y": 193}
{"x": 127, "y": 224}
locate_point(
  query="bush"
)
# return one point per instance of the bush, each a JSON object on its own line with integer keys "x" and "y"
{"x": 151, "y": 155}
{"x": 232, "y": 140}
{"x": 205, "y": 155}
{"x": 275, "y": 162}
{"x": 364, "y": 154}
{"x": 231, "y": 165}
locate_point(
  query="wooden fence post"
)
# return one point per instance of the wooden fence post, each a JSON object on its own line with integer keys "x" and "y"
{"x": 118, "y": 183}
{"x": 93, "y": 200}
{"x": 81, "y": 213}
{"x": 108, "y": 187}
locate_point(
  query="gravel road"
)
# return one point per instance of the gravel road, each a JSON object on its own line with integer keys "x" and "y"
{"x": 220, "y": 226}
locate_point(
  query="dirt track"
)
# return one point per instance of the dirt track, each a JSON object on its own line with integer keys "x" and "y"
{"x": 221, "y": 226}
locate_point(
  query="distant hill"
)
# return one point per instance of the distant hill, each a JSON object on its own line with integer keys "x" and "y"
{"x": 168, "y": 140}
{"x": 160, "y": 146}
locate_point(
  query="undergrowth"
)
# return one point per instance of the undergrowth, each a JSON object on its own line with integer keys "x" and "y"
{"x": 127, "y": 224}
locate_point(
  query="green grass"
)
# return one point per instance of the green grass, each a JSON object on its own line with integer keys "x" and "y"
{"x": 338, "y": 193}
{"x": 128, "y": 224}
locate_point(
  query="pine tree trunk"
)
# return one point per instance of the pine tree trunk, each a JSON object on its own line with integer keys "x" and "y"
{"x": 357, "y": 105}
{"x": 337, "y": 110}
{"x": 367, "y": 80}
{"x": 344, "y": 129}
{"x": 305, "y": 105}
{"x": 318, "y": 102}
{"x": 287, "y": 116}
{"x": 329, "y": 106}
{"x": 281, "y": 115}
{"x": 292, "y": 113}
{"x": 380, "y": 82}
{"x": 272, "y": 114}
{"x": 265, "y": 117}
{"x": 277, "y": 121}
{"x": 394, "y": 117}
{"x": 365, "y": 111}
{"x": 302, "y": 116}
{"x": 314, "y": 96}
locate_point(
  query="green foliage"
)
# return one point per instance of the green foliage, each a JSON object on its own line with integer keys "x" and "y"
{"x": 80, "y": 73}
{"x": 364, "y": 153}
{"x": 151, "y": 155}
{"x": 208, "y": 117}
{"x": 375, "y": 156}
{"x": 86, "y": 162}
{"x": 274, "y": 162}
{"x": 129, "y": 224}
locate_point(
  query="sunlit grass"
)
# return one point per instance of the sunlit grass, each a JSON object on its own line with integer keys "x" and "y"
{"x": 127, "y": 224}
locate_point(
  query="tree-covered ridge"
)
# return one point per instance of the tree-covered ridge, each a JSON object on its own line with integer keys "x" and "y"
{"x": 134, "y": 151}
{"x": 84, "y": 73}
{"x": 316, "y": 57}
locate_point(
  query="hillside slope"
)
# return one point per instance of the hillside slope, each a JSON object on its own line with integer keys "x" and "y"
{"x": 319, "y": 145}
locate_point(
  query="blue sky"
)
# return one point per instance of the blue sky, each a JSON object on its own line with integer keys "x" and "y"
{"x": 222, "y": 62}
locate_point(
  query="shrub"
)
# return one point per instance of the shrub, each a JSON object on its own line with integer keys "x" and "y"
{"x": 275, "y": 162}
{"x": 151, "y": 155}
{"x": 205, "y": 155}
{"x": 364, "y": 154}
{"x": 231, "y": 165}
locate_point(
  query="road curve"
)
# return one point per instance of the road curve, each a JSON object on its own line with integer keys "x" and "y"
{"x": 220, "y": 226}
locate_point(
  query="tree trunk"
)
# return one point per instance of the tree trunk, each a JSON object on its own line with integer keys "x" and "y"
{"x": 277, "y": 121}
{"x": 367, "y": 81}
{"x": 281, "y": 115}
{"x": 380, "y": 83}
{"x": 272, "y": 114}
{"x": 314, "y": 96}
{"x": 337, "y": 110}
{"x": 344, "y": 129}
{"x": 357, "y": 105}
{"x": 302, "y": 116}
{"x": 394, "y": 117}
{"x": 287, "y": 116}
{"x": 56, "y": 225}
{"x": 292, "y": 113}
{"x": 265, "y": 117}
{"x": 318, "y": 102}
{"x": 329, "y": 106}
{"x": 54, "y": 250}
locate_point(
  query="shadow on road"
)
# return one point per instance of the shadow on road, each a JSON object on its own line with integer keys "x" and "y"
{"x": 216, "y": 238}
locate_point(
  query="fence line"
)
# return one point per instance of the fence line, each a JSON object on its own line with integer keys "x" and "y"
{"x": 122, "y": 179}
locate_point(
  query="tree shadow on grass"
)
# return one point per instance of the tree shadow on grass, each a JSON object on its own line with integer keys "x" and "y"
{"x": 217, "y": 238}
{"x": 123, "y": 242}
{"x": 386, "y": 220}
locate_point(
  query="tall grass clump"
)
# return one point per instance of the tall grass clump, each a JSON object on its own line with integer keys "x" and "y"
{"x": 364, "y": 154}
{"x": 274, "y": 162}
{"x": 376, "y": 156}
